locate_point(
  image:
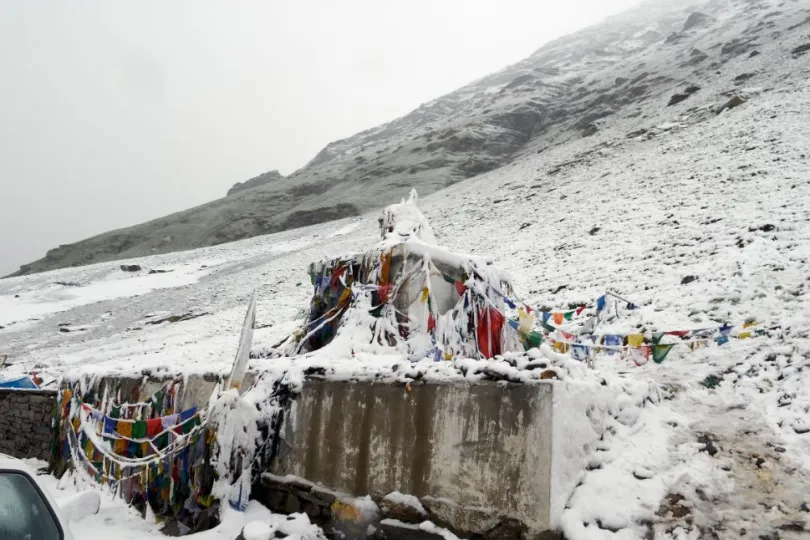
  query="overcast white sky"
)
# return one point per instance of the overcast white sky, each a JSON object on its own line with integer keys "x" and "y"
{"x": 116, "y": 112}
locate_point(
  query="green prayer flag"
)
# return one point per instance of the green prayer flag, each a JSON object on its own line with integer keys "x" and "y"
{"x": 162, "y": 441}
{"x": 660, "y": 352}
{"x": 534, "y": 339}
{"x": 115, "y": 412}
{"x": 568, "y": 315}
{"x": 189, "y": 425}
{"x": 157, "y": 400}
{"x": 448, "y": 279}
{"x": 139, "y": 429}
{"x": 547, "y": 327}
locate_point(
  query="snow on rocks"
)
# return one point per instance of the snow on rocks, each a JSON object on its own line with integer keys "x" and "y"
{"x": 403, "y": 507}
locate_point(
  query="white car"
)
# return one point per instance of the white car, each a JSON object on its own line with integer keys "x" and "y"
{"x": 27, "y": 510}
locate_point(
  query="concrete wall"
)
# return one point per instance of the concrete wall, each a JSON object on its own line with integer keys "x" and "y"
{"x": 475, "y": 454}
{"x": 25, "y": 422}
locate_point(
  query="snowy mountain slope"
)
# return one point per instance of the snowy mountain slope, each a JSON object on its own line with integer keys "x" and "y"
{"x": 568, "y": 89}
{"x": 722, "y": 198}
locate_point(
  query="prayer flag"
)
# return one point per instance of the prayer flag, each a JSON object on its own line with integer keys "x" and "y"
{"x": 600, "y": 303}
{"x": 635, "y": 340}
{"x": 660, "y": 352}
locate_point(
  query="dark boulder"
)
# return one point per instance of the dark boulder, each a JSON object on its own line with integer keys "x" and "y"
{"x": 696, "y": 20}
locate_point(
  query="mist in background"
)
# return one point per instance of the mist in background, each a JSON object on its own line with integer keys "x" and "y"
{"x": 113, "y": 113}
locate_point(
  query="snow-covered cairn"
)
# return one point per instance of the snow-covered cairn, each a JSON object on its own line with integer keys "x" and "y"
{"x": 409, "y": 296}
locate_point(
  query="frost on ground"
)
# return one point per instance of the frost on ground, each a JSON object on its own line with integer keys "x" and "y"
{"x": 700, "y": 218}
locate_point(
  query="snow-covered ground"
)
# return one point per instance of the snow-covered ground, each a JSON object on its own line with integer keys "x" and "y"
{"x": 116, "y": 520}
{"x": 712, "y": 444}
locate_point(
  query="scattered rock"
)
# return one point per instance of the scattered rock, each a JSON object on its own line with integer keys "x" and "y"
{"x": 391, "y": 529}
{"x": 712, "y": 381}
{"x": 405, "y": 508}
{"x": 672, "y": 503}
{"x": 801, "y": 429}
{"x": 549, "y": 374}
{"x": 67, "y": 283}
{"x": 697, "y": 19}
{"x": 594, "y": 230}
{"x": 800, "y": 50}
{"x": 589, "y": 130}
{"x": 740, "y": 79}
{"x": 735, "y": 101}
{"x": 688, "y": 279}
{"x": 753, "y": 54}
{"x": 708, "y": 444}
{"x": 794, "y": 526}
{"x": 643, "y": 474}
{"x": 677, "y": 98}
{"x": 805, "y": 507}
{"x": 130, "y": 267}
{"x": 177, "y": 318}
{"x": 157, "y": 271}
{"x": 524, "y": 225}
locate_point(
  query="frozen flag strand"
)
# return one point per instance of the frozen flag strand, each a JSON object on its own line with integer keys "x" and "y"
{"x": 420, "y": 301}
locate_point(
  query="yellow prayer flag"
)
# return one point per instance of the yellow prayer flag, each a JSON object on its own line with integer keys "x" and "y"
{"x": 744, "y": 335}
{"x": 749, "y": 324}
{"x": 561, "y": 347}
{"x": 525, "y": 321}
{"x": 66, "y": 396}
{"x": 635, "y": 340}
{"x": 425, "y": 294}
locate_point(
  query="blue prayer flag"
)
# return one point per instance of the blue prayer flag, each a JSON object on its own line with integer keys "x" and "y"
{"x": 600, "y": 303}
{"x": 188, "y": 413}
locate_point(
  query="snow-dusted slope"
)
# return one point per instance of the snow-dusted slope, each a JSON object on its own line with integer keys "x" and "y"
{"x": 656, "y": 194}
{"x": 569, "y": 89}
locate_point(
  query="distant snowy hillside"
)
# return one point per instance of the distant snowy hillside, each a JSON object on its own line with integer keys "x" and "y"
{"x": 699, "y": 212}
{"x": 569, "y": 89}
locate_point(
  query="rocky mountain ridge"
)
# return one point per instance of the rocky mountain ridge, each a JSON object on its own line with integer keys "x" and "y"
{"x": 631, "y": 66}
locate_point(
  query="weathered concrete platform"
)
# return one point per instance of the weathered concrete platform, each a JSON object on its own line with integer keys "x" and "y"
{"x": 476, "y": 454}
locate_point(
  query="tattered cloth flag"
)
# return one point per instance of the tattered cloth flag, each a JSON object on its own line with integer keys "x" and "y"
{"x": 659, "y": 352}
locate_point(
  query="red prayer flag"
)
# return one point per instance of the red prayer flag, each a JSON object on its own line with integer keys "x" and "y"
{"x": 490, "y": 323}
{"x": 154, "y": 426}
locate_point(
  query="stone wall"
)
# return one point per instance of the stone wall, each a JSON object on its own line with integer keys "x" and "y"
{"x": 25, "y": 422}
{"x": 483, "y": 458}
